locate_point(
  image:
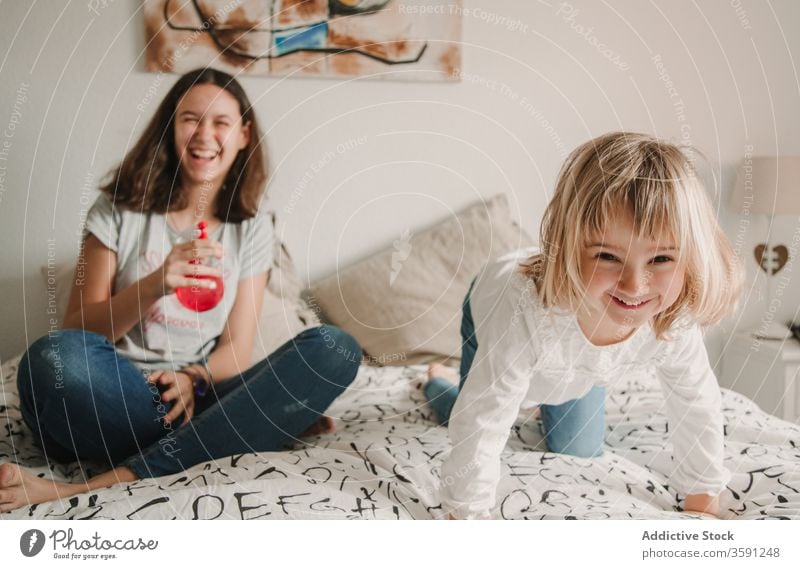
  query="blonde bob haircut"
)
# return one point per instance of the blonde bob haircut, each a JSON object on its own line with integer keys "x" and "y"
{"x": 654, "y": 182}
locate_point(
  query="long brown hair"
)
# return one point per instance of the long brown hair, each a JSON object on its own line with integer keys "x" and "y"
{"x": 148, "y": 178}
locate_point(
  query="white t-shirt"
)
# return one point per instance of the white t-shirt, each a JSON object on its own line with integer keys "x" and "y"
{"x": 171, "y": 336}
{"x": 528, "y": 355}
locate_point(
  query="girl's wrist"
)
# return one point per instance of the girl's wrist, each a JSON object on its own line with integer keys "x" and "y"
{"x": 702, "y": 503}
{"x": 153, "y": 286}
{"x": 202, "y": 368}
{"x": 200, "y": 382}
{"x": 186, "y": 374}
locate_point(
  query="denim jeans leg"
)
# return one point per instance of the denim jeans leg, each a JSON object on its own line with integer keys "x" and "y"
{"x": 440, "y": 393}
{"x": 264, "y": 408}
{"x": 469, "y": 342}
{"x": 82, "y": 400}
{"x": 576, "y": 427}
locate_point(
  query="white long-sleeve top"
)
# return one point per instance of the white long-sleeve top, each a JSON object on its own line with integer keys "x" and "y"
{"x": 528, "y": 355}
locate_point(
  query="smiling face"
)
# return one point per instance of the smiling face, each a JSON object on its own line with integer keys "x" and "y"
{"x": 209, "y": 134}
{"x": 628, "y": 279}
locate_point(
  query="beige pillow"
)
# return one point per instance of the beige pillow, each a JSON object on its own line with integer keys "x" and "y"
{"x": 283, "y": 315}
{"x": 404, "y": 305}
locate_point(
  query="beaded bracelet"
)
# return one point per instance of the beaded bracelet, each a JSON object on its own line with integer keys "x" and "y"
{"x": 200, "y": 383}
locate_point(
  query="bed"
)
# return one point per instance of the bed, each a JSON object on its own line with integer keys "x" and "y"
{"x": 383, "y": 462}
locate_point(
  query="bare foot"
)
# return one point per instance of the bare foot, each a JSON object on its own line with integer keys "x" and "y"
{"x": 440, "y": 370}
{"x": 18, "y": 488}
{"x": 322, "y": 426}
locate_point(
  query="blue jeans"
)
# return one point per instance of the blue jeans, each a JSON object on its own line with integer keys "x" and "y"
{"x": 83, "y": 400}
{"x": 576, "y": 427}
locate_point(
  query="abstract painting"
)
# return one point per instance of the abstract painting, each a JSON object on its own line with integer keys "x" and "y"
{"x": 411, "y": 40}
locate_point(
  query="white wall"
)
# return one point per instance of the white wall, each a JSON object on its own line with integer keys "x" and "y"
{"x": 535, "y": 85}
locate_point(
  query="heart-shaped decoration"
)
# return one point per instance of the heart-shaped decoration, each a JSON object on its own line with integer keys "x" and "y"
{"x": 775, "y": 258}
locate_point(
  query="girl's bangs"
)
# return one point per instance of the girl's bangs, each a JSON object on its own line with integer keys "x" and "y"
{"x": 651, "y": 203}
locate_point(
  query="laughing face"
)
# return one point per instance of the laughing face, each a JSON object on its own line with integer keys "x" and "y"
{"x": 628, "y": 280}
{"x": 209, "y": 133}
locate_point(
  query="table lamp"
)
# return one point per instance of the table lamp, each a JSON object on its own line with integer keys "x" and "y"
{"x": 769, "y": 185}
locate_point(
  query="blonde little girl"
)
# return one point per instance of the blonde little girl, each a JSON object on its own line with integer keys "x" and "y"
{"x": 632, "y": 263}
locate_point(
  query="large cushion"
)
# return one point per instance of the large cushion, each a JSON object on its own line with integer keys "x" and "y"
{"x": 403, "y": 305}
{"x": 284, "y": 314}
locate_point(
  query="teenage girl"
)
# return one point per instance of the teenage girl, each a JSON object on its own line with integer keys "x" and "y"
{"x": 632, "y": 263}
{"x": 137, "y": 380}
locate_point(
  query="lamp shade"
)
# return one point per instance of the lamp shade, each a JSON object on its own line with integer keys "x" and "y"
{"x": 768, "y": 185}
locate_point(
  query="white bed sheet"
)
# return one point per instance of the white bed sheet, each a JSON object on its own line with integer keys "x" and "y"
{"x": 383, "y": 462}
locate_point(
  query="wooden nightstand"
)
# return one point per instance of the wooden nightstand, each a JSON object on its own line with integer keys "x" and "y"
{"x": 766, "y": 371}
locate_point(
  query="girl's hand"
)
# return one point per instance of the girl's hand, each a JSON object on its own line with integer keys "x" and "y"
{"x": 702, "y": 504}
{"x": 178, "y": 387}
{"x": 172, "y": 274}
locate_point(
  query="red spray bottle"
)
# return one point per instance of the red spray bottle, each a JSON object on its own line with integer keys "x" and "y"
{"x": 201, "y": 298}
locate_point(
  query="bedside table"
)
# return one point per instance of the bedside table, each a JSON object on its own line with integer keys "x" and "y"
{"x": 766, "y": 371}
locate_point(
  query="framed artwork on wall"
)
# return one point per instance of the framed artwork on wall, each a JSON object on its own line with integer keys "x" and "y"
{"x": 407, "y": 40}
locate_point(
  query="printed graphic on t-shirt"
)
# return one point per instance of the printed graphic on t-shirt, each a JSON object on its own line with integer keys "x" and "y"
{"x": 177, "y": 316}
